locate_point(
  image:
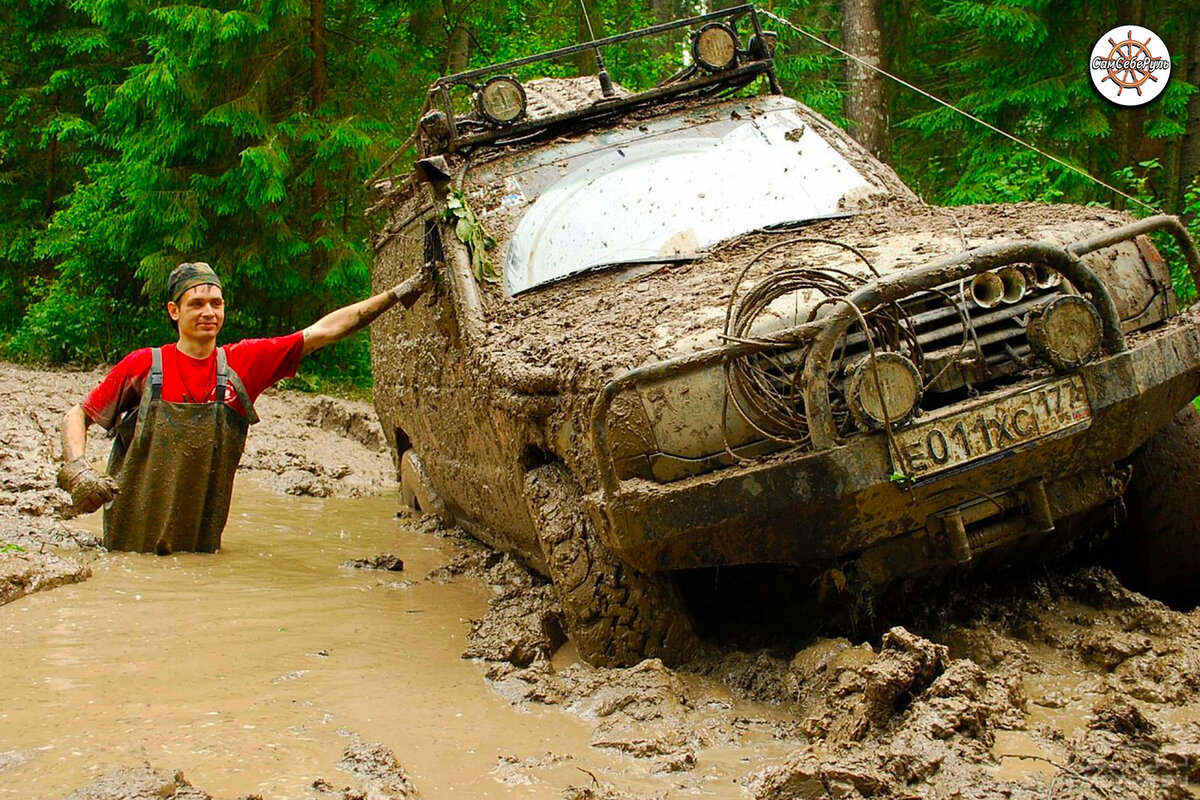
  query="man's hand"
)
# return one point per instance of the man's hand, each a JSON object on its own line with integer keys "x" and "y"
{"x": 409, "y": 291}
{"x": 89, "y": 489}
{"x": 337, "y": 325}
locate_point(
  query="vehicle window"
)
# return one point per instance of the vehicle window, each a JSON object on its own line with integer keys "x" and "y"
{"x": 672, "y": 195}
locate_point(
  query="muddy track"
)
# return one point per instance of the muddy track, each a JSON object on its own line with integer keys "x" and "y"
{"x": 1060, "y": 682}
{"x": 1056, "y": 683}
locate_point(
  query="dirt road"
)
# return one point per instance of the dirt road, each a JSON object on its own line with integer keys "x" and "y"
{"x": 1053, "y": 683}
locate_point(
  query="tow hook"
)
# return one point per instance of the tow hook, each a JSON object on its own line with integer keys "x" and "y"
{"x": 956, "y": 531}
{"x": 1039, "y": 505}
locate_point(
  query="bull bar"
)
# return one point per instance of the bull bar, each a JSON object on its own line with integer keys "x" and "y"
{"x": 822, "y": 336}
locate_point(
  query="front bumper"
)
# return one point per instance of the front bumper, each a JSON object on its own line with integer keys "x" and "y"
{"x": 838, "y": 501}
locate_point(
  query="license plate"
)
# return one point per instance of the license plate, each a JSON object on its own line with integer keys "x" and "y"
{"x": 994, "y": 429}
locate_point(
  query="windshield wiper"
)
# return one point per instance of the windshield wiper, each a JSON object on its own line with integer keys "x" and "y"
{"x": 802, "y": 223}
{"x": 631, "y": 262}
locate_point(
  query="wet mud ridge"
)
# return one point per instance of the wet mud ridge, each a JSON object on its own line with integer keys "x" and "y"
{"x": 373, "y": 768}
{"x": 39, "y": 547}
{"x": 1031, "y": 686}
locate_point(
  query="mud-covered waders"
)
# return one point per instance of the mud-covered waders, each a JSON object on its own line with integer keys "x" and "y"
{"x": 174, "y": 463}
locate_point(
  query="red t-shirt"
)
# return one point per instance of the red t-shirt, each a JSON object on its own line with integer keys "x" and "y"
{"x": 260, "y": 363}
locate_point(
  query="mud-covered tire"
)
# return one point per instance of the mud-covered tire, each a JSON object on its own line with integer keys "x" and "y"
{"x": 416, "y": 491}
{"x": 616, "y": 615}
{"x": 1158, "y": 547}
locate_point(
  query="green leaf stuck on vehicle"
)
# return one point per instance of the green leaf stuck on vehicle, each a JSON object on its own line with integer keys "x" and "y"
{"x": 470, "y": 232}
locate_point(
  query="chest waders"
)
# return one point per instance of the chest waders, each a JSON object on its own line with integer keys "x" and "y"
{"x": 174, "y": 463}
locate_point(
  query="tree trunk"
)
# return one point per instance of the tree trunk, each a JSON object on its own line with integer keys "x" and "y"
{"x": 866, "y": 97}
{"x": 458, "y": 51}
{"x": 320, "y": 88}
{"x": 1189, "y": 157}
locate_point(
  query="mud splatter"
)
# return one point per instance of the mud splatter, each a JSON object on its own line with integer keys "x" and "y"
{"x": 383, "y": 561}
{"x": 141, "y": 783}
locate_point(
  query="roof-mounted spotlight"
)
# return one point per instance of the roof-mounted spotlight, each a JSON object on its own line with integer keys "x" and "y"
{"x": 715, "y": 47}
{"x": 501, "y": 101}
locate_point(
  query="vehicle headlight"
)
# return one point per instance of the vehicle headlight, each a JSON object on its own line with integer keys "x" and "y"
{"x": 889, "y": 381}
{"x": 715, "y": 47}
{"x": 501, "y": 100}
{"x": 987, "y": 290}
{"x": 1066, "y": 332}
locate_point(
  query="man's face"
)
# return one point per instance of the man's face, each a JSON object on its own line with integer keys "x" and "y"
{"x": 200, "y": 312}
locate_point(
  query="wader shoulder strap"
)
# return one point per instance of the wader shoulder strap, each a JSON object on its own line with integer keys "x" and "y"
{"x": 155, "y": 381}
{"x": 227, "y": 376}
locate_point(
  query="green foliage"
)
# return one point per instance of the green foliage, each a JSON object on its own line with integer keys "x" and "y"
{"x": 470, "y": 232}
{"x": 1139, "y": 182}
{"x": 1016, "y": 64}
{"x": 808, "y": 70}
{"x": 140, "y": 133}
{"x": 211, "y": 140}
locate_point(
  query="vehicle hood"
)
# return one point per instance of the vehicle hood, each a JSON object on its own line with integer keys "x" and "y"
{"x": 599, "y": 325}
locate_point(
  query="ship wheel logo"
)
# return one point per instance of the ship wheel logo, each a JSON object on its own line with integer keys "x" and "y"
{"x": 1130, "y": 65}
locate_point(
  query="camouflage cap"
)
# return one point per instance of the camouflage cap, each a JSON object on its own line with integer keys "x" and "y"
{"x": 187, "y": 275}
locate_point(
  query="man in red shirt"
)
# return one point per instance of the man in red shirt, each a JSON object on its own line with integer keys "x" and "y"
{"x": 181, "y": 414}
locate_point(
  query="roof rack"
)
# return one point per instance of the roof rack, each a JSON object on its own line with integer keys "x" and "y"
{"x": 719, "y": 62}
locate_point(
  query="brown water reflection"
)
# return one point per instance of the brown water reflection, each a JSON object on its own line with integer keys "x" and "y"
{"x": 246, "y": 669}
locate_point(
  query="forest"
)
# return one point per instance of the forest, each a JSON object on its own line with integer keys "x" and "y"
{"x": 140, "y": 133}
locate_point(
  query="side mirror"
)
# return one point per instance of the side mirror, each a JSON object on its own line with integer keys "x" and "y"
{"x": 434, "y": 171}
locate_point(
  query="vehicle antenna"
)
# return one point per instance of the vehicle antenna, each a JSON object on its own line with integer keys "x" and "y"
{"x": 606, "y": 84}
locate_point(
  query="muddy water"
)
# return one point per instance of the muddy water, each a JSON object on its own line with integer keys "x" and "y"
{"x": 248, "y": 670}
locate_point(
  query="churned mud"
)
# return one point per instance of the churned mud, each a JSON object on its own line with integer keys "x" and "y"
{"x": 375, "y": 773}
{"x": 1058, "y": 682}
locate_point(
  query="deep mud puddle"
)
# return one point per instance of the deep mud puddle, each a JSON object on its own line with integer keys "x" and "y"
{"x": 250, "y": 670}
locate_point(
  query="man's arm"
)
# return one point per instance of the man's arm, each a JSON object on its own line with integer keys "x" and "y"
{"x": 74, "y": 433}
{"x": 339, "y": 324}
{"x": 89, "y": 489}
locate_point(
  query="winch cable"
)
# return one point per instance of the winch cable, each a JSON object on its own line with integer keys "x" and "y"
{"x": 752, "y": 389}
{"x": 954, "y": 108}
{"x": 776, "y": 409}
{"x": 894, "y": 452}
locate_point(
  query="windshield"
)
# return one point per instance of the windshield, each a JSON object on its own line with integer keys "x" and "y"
{"x": 668, "y": 196}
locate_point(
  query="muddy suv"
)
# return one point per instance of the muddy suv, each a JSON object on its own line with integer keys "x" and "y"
{"x": 697, "y": 326}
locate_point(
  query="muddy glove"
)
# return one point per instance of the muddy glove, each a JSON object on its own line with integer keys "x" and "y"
{"x": 89, "y": 489}
{"x": 407, "y": 292}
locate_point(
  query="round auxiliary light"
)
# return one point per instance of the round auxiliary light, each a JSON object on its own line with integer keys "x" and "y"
{"x": 763, "y": 47}
{"x": 1042, "y": 276}
{"x": 987, "y": 290}
{"x": 1013, "y": 281}
{"x": 1066, "y": 331}
{"x": 501, "y": 100}
{"x": 900, "y": 384}
{"x": 715, "y": 47}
